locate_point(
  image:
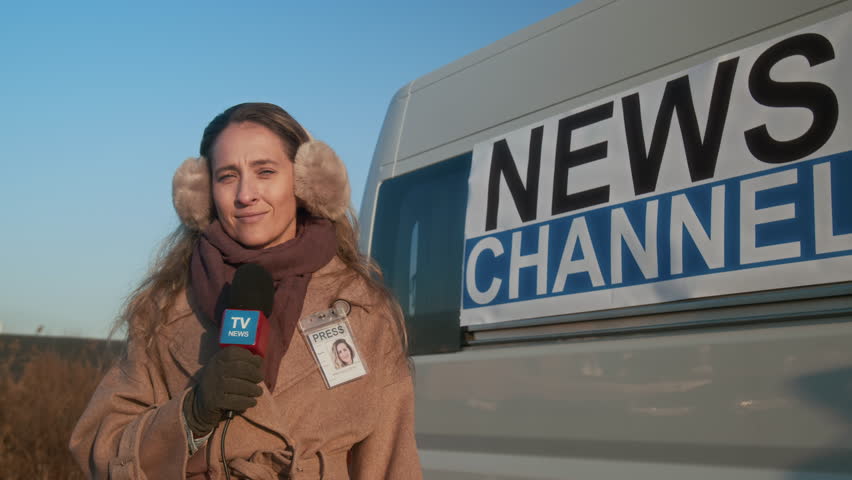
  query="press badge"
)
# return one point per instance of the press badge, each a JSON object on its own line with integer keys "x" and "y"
{"x": 333, "y": 345}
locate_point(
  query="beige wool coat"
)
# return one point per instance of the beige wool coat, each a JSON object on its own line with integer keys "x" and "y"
{"x": 364, "y": 429}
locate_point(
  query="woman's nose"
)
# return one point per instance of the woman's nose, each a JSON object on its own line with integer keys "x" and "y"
{"x": 247, "y": 192}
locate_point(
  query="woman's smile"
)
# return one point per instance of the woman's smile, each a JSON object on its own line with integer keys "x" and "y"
{"x": 250, "y": 217}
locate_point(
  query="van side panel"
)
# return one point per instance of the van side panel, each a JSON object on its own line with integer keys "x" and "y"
{"x": 774, "y": 398}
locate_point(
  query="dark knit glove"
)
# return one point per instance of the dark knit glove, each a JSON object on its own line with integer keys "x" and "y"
{"x": 229, "y": 381}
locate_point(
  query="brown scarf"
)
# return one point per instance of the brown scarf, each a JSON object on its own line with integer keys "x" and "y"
{"x": 216, "y": 257}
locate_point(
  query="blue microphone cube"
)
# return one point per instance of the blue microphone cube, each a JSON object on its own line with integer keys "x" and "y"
{"x": 239, "y": 327}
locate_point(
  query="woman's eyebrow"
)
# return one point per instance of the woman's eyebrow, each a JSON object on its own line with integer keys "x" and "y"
{"x": 262, "y": 161}
{"x": 254, "y": 164}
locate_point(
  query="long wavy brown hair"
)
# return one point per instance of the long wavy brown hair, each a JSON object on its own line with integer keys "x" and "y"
{"x": 147, "y": 308}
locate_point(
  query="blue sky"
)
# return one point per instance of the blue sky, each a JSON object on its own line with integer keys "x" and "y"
{"x": 102, "y": 100}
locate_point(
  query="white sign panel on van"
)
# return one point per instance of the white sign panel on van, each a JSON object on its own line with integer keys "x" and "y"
{"x": 733, "y": 176}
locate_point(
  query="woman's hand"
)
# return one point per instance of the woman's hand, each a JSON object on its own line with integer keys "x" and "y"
{"x": 229, "y": 381}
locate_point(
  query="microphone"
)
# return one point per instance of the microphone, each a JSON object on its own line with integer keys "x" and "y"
{"x": 250, "y": 299}
{"x": 244, "y": 321}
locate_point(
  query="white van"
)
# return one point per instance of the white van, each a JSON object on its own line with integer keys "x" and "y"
{"x": 622, "y": 238}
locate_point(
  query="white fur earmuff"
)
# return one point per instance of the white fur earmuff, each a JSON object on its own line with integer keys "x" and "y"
{"x": 320, "y": 181}
{"x": 191, "y": 193}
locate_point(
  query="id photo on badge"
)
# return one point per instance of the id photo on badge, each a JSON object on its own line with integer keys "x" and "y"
{"x": 336, "y": 352}
{"x": 342, "y": 353}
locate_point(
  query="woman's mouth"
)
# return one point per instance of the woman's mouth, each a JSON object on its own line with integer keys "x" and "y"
{"x": 250, "y": 217}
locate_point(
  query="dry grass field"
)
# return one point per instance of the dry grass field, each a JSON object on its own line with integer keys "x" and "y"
{"x": 45, "y": 384}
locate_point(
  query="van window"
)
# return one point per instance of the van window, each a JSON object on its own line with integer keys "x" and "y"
{"x": 418, "y": 240}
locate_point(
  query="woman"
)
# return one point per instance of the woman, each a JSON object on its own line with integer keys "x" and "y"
{"x": 262, "y": 192}
{"x": 343, "y": 354}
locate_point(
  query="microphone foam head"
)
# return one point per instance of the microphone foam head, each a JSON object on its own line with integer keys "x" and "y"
{"x": 252, "y": 289}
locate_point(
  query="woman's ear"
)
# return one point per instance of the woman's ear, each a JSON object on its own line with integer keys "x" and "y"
{"x": 191, "y": 193}
{"x": 321, "y": 182}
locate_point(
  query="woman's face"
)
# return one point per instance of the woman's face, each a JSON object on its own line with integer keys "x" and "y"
{"x": 344, "y": 354}
{"x": 253, "y": 186}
